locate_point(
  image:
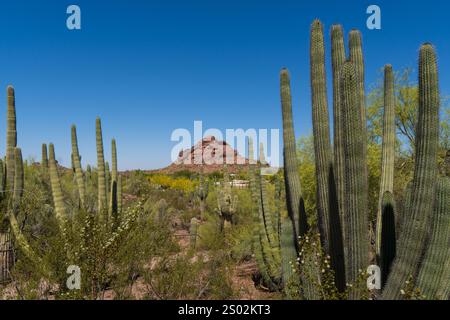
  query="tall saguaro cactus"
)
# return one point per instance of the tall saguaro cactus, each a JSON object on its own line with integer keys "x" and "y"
{"x": 77, "y": 164}
{"x": 356, "y": 218}
{"x": 414, "y": 232}
{"x": 321, "y": 130}
{"x": 295, "y": 202}
{"x": 102, "y": 199}
{"x": 11, "y": 137}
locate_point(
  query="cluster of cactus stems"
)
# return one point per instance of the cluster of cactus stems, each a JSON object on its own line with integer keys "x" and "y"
{"x": 12, "y": 184}
{"x": 341, "y": 176}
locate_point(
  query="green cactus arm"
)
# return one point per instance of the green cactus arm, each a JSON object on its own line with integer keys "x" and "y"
{"x": 102, "y": 199}
{"x": 11, "y": 137}
{"x": 78, "y": 170}
{"x": 411, "y": 243}
{"x": 290, "y": 279}
{"x": 18, "y": 178}
{"x": 119, "y": 193}
{"x": 432, "y": 273}
{"x": 58, "y": 197}
{"x": 387, "y": 235}
{"x": 388, "y": 149}
{"x": 356, "y": 217}
{"x": 114, "y": 160}
{"x": 2, "y": 179}
{"x": 321, "y": 130}
{"x": 337, "y": 60}
{"x": 295, "y": 202}
{"x": 44, "y": 157}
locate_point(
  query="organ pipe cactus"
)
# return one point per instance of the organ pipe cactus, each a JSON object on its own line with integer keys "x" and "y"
{"x": 265, "y": 255}
{"x": 102, "y": 199}
{"x": 78, "y": 170}
{"x": 294, "y": 198}
{"x": 356, "y": 219}
{"x": 18, "y": 179}
{"x": 387, "y": 175}
{"x": 58, "y": 197}
{"x": 321, "y": 130}
{"x": 337, "y": 60}
{"x": 432, "y": 273}
{"x": 411, "y": 243}
{"x": 44, "y": 158}
{"x": 327, "y": 200}
{"x": 2, "y": 179}
{"x": 387, "y": 235}
{"x": 11, "y": 137}
{"x": 114, "y": 189}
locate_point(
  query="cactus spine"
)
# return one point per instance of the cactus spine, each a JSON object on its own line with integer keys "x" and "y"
{"x": 78, "y": 170}
{"x": 387, "y": 176}
{"x": 412, "y": 243}
{"x": 295, "y": 202}
{"x": 431, "y": 273}
{"x": 356, "y": 219}
{"x": 102, "y": 199}
{"x": 11, "y": 138}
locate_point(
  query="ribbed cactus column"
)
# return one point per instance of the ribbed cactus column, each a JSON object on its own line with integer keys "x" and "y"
{"x": 411, "y": 243}
{"x": 321, "y": 130}
{"x": 119, "y": 193}
{"x": 78, "y": 169}
{"x": 18, "y": 178}
{"x": 289, "y": 277}
{"x": 114, "y": 160}
{"x": 387, "y": 235}
{"x": 102, "y": 199}
{"x": 58, "y": 197}
{"x": 11, "y": 138}
{"x": 113, "y": 201}
{"x": 260, "y": 245}
{"x": 356, "y": 218}
{"x": 356, "y": 57}
{"x": 431, "y": 273}
{"x": 337, "y": 60}
{"x": 295, "y": 202}
{"x": 267, "y": 214}
{"x": 387, "y": 164}
{"x": 107, "y": 179}
{"x": 2, "y": 179}
{"x": 44, "y": 157}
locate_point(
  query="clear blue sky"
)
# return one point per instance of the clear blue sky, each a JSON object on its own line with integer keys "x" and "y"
{"x": 149, "y": 67}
